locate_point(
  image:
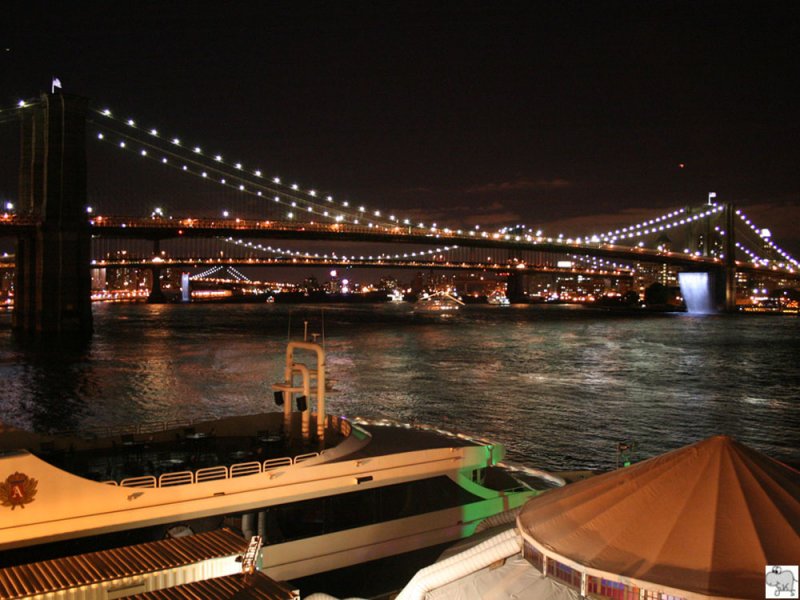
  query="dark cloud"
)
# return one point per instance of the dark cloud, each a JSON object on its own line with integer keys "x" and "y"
{"x": 520, "y": 184}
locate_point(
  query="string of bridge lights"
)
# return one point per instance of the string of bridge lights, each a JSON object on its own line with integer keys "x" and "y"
{"x": 218, "y": 268}
{"x": 657, "y": 224}
{"x": 292, "y": 194}
{"x": 592, "y": 261}
{"x": 333, "y": 256}
{"x": 766, "y": 238}
{"x": 597, "y": 262}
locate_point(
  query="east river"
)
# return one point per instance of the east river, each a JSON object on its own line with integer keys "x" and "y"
{"x": 559, "y": 386}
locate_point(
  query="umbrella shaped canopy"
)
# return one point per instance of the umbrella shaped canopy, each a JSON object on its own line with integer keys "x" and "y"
{"x": 706, "y": 519}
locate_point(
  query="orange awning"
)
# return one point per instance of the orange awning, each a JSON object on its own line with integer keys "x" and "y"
{"x": 705, "y": 519}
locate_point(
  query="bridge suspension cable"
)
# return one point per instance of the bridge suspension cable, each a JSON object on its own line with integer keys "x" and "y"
{"x": 174, "y": 153}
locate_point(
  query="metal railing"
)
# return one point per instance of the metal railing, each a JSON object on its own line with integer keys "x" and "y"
{"x": 213, "y": 473}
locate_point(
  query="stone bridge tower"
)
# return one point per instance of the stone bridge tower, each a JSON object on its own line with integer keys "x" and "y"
{"x": 52, "y": 287}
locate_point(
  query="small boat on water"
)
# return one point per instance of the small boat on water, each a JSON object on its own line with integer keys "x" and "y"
{"x": 438, "y": 303}
{"x": 323, "y": 491}
{"x": 498, "y": 299}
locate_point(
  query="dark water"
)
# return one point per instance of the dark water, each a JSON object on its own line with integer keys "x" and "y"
{"x": 559, "y": 386}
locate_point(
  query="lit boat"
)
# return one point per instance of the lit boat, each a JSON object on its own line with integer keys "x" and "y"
{"x": 498, "y": 299}
{"x": 323, "y": 491}
{"x": 438, "y": 303}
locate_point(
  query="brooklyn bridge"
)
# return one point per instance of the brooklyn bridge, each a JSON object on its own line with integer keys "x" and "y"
{"x": 242, "y": 215}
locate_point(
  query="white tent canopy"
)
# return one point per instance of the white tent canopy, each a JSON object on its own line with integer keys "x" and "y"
{"x": 703, "y": 521}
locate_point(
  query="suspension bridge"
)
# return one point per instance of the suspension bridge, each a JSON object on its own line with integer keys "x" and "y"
{"x": 220, "y": 211}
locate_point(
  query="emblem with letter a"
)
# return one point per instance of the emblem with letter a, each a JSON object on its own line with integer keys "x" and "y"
{"x": 17, "y": 490}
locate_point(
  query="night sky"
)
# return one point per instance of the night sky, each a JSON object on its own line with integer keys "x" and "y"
{"x": 566, "y": 116}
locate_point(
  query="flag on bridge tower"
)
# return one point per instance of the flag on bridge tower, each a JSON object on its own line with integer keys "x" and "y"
{"x": 56, "y": 84}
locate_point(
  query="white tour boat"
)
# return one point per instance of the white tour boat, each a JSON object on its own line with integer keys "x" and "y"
{"x": 323, "y": 491}
{"x": 438, "y": 303}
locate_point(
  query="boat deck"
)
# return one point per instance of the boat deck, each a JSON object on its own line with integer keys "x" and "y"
{"x": 393, "y": 439}
{"x": 252, "y": 440}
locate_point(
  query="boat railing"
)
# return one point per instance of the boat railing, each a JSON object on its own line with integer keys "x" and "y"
{"x": 177, "y": 478}
{"x": 213, "y": 473}
{"x": 145, "y": 427}
{"x": 248, "y": 468}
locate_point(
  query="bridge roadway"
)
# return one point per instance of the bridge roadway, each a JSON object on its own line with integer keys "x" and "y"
{"x": 149, "y": 228}
{"x": 168, "y": 228}
{"x": 165, "y": 263}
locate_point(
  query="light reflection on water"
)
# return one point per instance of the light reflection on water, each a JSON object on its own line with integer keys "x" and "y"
{"x": 560, "y": 387}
